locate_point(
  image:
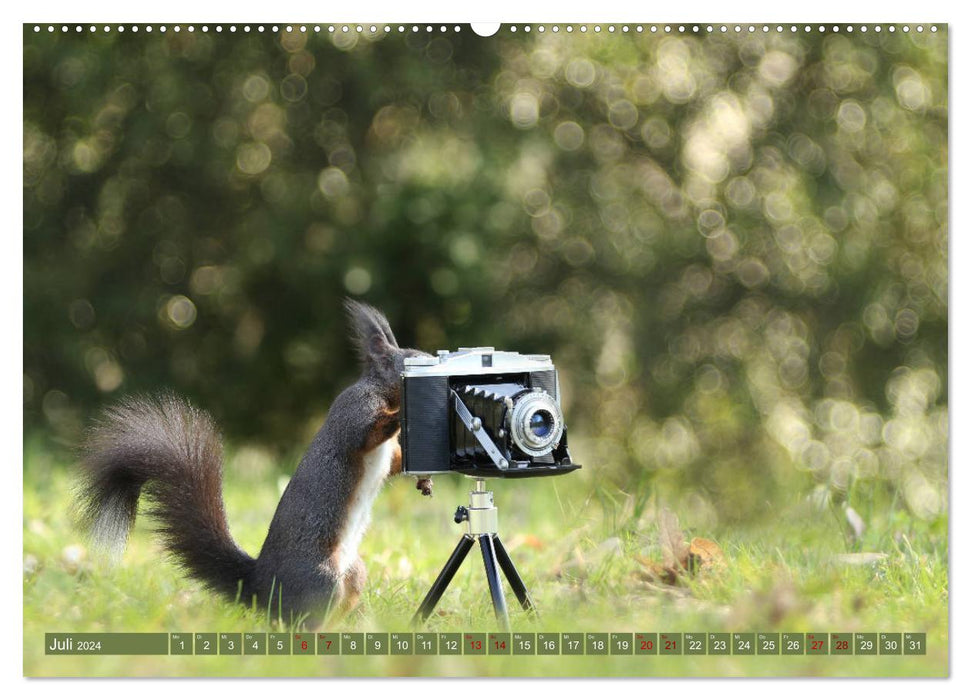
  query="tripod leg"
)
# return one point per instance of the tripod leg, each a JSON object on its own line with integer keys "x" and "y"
{"x": 444, "y": 578}
{"x": 495, "y": 585}
{"x": 515, "y": 580}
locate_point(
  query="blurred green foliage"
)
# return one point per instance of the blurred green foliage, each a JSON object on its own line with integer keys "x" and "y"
{"x": 734, "y": 245}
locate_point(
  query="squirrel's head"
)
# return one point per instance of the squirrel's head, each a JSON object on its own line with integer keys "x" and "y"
{"x": 383, "y": 360}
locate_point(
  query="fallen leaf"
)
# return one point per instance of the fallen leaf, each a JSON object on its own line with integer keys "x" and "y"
{"x": 678, "y": 557}
{"x": 704, "y": 554}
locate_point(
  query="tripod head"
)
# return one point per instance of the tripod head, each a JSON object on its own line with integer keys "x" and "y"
{"x": 481, "y": 513}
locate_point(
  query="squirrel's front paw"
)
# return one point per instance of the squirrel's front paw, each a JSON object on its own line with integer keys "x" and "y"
{"x": 425, "y": 486}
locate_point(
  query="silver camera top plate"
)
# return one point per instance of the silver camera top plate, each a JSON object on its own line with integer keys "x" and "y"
{"x": 475, "y": 361}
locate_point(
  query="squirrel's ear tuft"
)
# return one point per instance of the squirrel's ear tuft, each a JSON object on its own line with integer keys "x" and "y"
{"x": 370, "y": 331}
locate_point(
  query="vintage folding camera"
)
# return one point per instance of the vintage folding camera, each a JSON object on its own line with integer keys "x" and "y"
{"x": 483, "y": 413}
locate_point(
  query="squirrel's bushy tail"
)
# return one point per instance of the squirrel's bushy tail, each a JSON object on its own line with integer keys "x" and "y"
{"x": 170, "y": 451}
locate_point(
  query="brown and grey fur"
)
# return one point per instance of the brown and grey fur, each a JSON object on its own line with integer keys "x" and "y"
{"x": 171, "y": 452}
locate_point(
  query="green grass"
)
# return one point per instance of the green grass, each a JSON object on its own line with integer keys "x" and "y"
{"x": 575, "y": 542}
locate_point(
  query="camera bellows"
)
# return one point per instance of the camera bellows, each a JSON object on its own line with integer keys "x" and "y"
{"x": 530, "y": 418}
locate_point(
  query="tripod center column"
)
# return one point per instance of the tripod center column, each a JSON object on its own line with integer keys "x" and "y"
{"x": 483, "y": 514}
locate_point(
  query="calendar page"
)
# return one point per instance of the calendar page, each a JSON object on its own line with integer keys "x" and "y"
{"x": 303, "y": 300}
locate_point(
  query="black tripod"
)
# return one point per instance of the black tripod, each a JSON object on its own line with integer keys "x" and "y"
{"x": 483, "y": 519}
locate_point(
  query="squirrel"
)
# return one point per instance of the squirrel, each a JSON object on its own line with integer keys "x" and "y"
{"x": 309, "y": 565}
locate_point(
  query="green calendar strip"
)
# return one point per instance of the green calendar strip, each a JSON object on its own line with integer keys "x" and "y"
{"x": 489, "y": 643}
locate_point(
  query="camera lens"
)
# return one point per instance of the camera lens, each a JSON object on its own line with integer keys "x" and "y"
{"x": 536, "y": 424}
{"x": 540, "y": 423}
